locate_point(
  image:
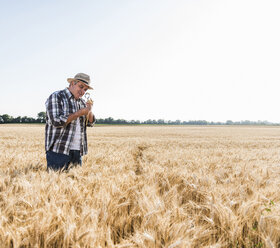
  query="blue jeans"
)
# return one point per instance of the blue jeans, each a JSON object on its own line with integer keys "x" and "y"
{"x": 59, "y": 161}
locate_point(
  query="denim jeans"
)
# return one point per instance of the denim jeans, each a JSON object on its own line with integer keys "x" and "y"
{"x": 59, "y": 161}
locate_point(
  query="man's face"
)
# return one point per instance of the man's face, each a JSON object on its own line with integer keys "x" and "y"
{"x": 78, "y": 89}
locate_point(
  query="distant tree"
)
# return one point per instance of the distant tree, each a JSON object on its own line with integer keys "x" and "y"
{"x": 24, "y": 119}
{"x": 109, "y": 120}
{"x": 17, "y": 119}
{"x": 148, "y": 121}
{"x": 202, "y": 122}
{"x": 161, "y": 121}
{"x": 6, "y": 118}
{"x": 100, "y": 121}
{"x": 41, "y": 117}
{"x": 133, "y": 122}
{"x": 177, "y": 122}
{"x": 229, "y": 122}
{"x": 246, "y": 122}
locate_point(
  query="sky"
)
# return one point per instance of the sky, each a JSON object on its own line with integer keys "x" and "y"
{"x": 212, "y": 60}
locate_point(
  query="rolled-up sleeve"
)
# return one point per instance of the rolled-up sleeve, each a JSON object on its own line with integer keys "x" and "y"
{"x": 56, "y": 111}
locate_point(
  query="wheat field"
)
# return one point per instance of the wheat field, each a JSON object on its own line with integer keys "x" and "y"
{"x": 144, "y": 186}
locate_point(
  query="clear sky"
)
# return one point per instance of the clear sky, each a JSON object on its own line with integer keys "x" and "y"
{"x": 213, "y": 60}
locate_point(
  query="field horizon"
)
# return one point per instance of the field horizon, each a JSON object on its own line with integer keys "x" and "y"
{"x": 143, "y": 186}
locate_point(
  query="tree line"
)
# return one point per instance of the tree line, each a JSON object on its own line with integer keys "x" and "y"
{"x": 41, "y": 118}
{"x": 110, "y": 120}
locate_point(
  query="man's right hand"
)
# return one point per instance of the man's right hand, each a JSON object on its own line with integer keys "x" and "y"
{"x": 81, "y": 112}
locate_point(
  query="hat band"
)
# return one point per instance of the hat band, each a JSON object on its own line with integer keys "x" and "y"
{"x": 83, "y": 81}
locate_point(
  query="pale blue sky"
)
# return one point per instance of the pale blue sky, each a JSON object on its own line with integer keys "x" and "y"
{"x": 170, "y": 59}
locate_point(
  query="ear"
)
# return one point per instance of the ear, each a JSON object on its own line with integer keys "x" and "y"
{"x": 71, "y": 83}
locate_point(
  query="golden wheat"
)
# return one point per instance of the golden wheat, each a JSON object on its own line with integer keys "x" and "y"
{"x": 143, "y": 186}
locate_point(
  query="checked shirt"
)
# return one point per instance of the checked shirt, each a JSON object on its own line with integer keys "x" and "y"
{"x": 58, "y": 136}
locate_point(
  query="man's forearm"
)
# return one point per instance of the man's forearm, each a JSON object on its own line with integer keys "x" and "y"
{"x": 75, "y": 115}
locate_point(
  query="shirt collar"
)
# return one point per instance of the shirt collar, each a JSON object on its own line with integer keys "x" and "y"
{"x": 69, "y": 94}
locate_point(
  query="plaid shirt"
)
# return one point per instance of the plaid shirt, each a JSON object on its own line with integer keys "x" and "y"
{"x": 58, "y": 137}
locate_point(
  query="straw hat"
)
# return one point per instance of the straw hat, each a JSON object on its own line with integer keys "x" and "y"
{"x": 84, "y": 78}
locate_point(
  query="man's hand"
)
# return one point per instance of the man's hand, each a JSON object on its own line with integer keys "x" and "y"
{"x": 88, "y": 108}
{"x": 85, "y": 111}
{"x": 90, "y": 116}
{"x": 89, "y": 105}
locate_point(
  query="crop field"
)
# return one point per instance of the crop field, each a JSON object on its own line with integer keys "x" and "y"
{"x": 144, "y": 186}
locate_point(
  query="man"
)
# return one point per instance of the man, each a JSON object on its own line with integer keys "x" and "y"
{"x": 67, "y": 116}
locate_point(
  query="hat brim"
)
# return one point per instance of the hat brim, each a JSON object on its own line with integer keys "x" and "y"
{"x": 73, "y": 79}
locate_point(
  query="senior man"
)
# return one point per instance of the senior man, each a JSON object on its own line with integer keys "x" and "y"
{"x": 67, "y": 116}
